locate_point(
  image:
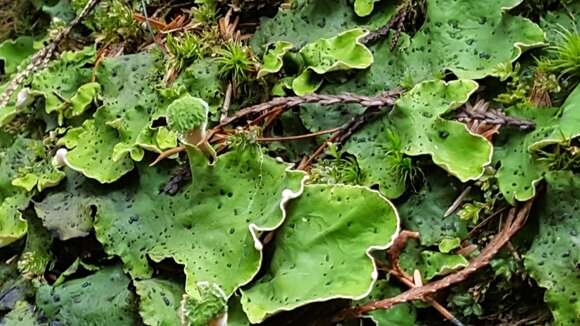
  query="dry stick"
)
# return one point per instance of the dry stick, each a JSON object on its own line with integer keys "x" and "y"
{"x": 42, "y": 57}
{"x": 494, "y": 117}
{"x": 384, "y": 99}
{"x": 267, "y": 114}
{"x": 280, "y": 104}
{"x": 298, "y": 137}
{"x": 457, "y": 202}
{"x": 436, "y": 305}
{"x": 400, "y": 26}
{"x": 340, "y": 136}
{"x": 394, "y": 252}
{"x": 513, "y": 224}
{"x": 227, "y": 102}
{"x": 167, "y": 153}
{"x": 398, "y": 245}
{"x": 482, "y": 223}
{"x": 383, "y": 31}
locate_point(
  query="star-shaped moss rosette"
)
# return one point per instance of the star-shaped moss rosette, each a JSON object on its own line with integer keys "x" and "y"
{"x": 330, "y": 230}
{"x": 211, "y": 227}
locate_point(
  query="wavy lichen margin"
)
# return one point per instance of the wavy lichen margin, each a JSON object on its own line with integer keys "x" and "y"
{"x": 321, "y": 216}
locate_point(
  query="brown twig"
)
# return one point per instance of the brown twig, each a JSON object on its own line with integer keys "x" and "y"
{"x": 340, "y": 136}
{"x": 100, "y": 55}
{"x": 298, "y": 137}
{"x": 482, "y": 113}
{"x": 383, "y": 31}
{"x": 436, "y": 305}
{"x": 280, "y": 104}
{"x": 457, "y": 202}
{"x": 384, "y": 99}
{"x": 42, "y": 57}
{"x": 227, "y": 102}
{"x": 515, "y": 221}
{"x": 168, "y": 153}
{"x": 482, "y": 223}
{"x": 394, "y": 252}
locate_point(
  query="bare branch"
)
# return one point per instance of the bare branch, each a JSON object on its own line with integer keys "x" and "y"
{"x": 515, "y": 221}
{"x": 384, "y": 99}
{"x": 482, "y": 113}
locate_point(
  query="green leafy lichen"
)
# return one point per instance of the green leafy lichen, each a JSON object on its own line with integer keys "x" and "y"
{"x": 342, "y": 52}
{"x": 37, "y": 256}
{"x": 437, "y": 263}
{"x": 67, "y": 211}
{"x": 102, "y": 298}
{"x": 364, "y": 7}
{"x": 520, "y": 169}
{"x": 206, "y": 307}
{"x": 14, "y": 52}
{"x": 213, "y": 207}
{"x": 424, "y": 210}
{"x": 419, "y": 128}
{"x": 273, "y": 59}
{"x": 159, "y": 301}
{"x": 24, "y": 165}
{"x": 553, "y": 257}
{"x": 311, "y": 251}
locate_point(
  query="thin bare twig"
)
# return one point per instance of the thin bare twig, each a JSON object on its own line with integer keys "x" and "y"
{"x": 383, "y": 31}
{"x": 482, "y": 113}
{"x": 280, "y": 104}
{"x": 515, "y": 221}
{"x": 341, "y": 135}
{"x": 457, "y": 202}
{"x": 167, "y": 153}
{"x": 42, "y": 57}
{"x": 227, "y": 102}
{"x": 298, "y": 137}
{"x": 436, "y": 305}
{"x": 482, "y": 223}
{"x": 398, "y": 245}
{"x": 394, "y": 252}
{"x": 384, "y": 99}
